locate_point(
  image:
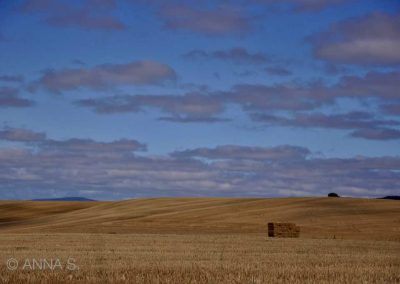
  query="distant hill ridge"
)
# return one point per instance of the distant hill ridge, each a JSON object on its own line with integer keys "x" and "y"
{"x": 391, "y": 197}
{"x": 72, "y": 198}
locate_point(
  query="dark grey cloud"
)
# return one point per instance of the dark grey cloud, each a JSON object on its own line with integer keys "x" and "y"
{"x": 377, "y": 133}
{"x": 305, "y": 5}
{"x": 70, "y": 146}
{"x": 21, "y": 135}
{"x": 88, "y": 14}
{"x": 9, "y": 97}
{"x": 373, "y": 85}
{"x": 207, "y": 106}
{"x": 391, "y": 108}
{"x": 106, "y": 76}
{"x": 339, "y": 121}
{"x": 262, "y": 101}
{"x": 114, "y": 170}
{"x": 91, "y": 147}
{"x": 193, "y": 119}
{"x": 12, "y": 78}
{"x": 278, "y": 97}
{"x": 364, "y": 125}
{"x": 215, "y": 21}
{"x": 300, "y": 101}
{"x": 296, "y": 97}
{"x": 373, "y": 39}
{"x": 238, "y": 55}
{"x": 190, "y": 107}
{"x": 284, "y": 152}
{"x": 278, "y": 71}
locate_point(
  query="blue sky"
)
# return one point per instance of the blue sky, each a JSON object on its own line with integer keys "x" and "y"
{"x": 113, "y": 99}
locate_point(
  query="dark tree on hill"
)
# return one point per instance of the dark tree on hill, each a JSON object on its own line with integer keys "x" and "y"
{"x": 333, "y": 194}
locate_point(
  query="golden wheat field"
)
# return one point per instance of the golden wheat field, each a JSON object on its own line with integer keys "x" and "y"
{"x": 205, "y": 240}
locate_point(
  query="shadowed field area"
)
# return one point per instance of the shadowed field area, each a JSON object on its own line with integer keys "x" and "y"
{"x": 342, "y": 218}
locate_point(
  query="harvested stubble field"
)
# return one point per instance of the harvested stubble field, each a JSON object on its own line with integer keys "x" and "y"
{"x": 202, "y": 241}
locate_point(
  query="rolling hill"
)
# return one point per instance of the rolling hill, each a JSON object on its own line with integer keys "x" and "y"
{"x": 347, "y": 218}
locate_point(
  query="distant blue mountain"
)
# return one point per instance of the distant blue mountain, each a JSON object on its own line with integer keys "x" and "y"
{"x": 73, "y": 198}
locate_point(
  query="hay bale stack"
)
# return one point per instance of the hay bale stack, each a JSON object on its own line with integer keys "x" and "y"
{"x": 283, "y": 230}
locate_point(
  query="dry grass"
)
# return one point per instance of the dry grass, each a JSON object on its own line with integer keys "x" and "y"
{"x": 343, "y": 218}
{"x": 283, "y": 230}
{"x": 203, "y": 241}
{"x": 235, "y": 258}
